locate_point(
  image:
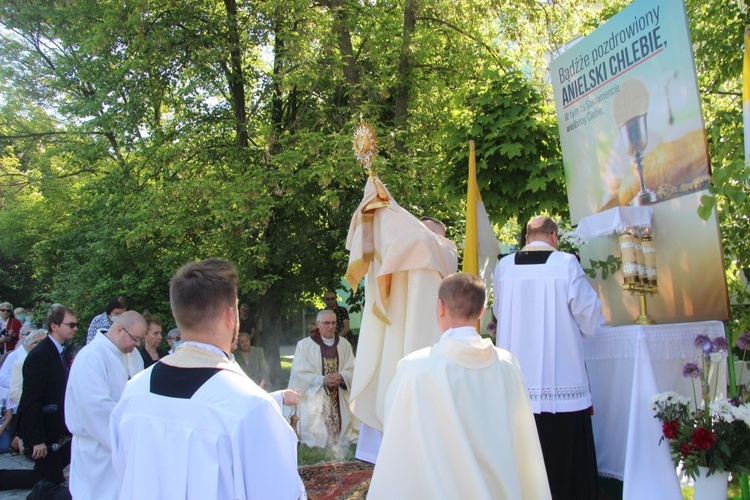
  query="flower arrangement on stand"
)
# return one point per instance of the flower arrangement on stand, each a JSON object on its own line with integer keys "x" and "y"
{"x": 705, "y": 432}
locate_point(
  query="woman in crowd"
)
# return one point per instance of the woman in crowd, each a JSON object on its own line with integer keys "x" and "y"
{"x": 151, "y": 350}
{"x": 252, "y": 360}
{"x": 173, "y": 339}
{"x": 10, "y": 328}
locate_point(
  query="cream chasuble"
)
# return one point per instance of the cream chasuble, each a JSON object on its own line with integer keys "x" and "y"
{"x": 403, "y": 263}
{"x": 458, "y": 424}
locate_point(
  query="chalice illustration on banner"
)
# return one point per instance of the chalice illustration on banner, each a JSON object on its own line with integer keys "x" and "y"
{"x": 630, "y": 110}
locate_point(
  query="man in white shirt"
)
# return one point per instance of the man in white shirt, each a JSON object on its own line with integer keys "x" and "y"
{"x": 458, "y": 423}
{"x": 544, "y": 306}
{"x": 193, "y": 424}
{"x": 96, "y": 381}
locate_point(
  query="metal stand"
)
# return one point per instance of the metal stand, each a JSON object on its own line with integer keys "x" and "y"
{"x": 642, "y": 290}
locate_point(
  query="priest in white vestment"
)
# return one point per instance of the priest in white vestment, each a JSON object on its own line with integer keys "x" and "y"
{"x": 544, "y": 307}
{"x": 458, "y": 423}
{"x": 95, "y": 384}
{"x": 193, "y": 425}
{"x": 322, "y": 372}
{"x": 403, "y": 263}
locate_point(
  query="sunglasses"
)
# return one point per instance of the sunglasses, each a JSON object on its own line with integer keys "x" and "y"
{"x": 71, "y": 325}
{"x": 5, "y": 310}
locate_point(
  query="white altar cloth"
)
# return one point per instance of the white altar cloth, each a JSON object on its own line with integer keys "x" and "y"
{"x": 627, "y": 365}
{"x": 614, "y": 221}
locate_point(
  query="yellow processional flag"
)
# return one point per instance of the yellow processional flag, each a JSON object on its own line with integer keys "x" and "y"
{"x": 480, "y": 244}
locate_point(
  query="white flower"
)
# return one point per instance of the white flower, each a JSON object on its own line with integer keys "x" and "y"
{"x": 742, "y": 412}
{"x": 571, "y": 237}
{"x": 722, "y": 409}
{"x": 666, "y": 399}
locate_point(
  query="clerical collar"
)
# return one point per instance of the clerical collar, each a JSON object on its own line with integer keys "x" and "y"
{"x": 461, "y": 333}
{"x": 328, "y": 342}
{"x": 206, "y": 347}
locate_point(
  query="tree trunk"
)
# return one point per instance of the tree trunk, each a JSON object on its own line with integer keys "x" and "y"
{"x": 405, "y": 66}
{"x": 271, "y": 306}
{"x": 343, "y": 35}
{"x": 234, "y": 77}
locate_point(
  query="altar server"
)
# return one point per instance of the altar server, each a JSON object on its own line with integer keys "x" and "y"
{"x": 458, "y": 423}
{"x": 403, "y": 262}
{"x": 193, "y": 425}
{"x": 544, "y": 307}
{"x": 96, "y": 381}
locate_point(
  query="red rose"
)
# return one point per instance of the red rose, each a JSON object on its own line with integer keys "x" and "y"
{"x": 702, "y": 439}
{"x": 670, "y": 429}
{"x": 685, "y": 449}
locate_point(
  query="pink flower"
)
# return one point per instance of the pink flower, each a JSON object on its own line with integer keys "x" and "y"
{"x": 703, "y": 439}
{"x": 700, "y": 340}
{"x": 691, "y": 370}
{"x": 670, "y": 429}
{"x": 743, "y": 341}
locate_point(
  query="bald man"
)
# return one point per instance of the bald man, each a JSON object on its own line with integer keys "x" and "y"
{"x": 95, "y": 384}
{"x": 544, "y": 307}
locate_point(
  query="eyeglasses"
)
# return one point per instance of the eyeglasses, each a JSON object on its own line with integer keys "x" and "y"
{"x": 176, "y": 338}
{"x": 5, "y": 310}
{"x": 327, "y": 323}
{"x": 137, "y": 341}
{"x": 73, "y": 326}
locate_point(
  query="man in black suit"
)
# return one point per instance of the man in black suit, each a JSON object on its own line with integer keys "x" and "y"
{"x": 41, "y": 410}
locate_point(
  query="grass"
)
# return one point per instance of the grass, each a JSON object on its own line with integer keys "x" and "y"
{"x": 312, "y": 456}
{"x": 286, "y": 370}
{"x": 305, "y": 454}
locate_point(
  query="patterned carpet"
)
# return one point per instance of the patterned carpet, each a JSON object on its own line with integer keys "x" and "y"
{"x": 337, "y": 480}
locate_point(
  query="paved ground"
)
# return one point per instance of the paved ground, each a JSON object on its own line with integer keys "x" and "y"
{"x": 7, "y": 461}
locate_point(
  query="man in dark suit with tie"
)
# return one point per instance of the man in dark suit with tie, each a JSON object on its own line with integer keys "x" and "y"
{"x": 41, "y": 409}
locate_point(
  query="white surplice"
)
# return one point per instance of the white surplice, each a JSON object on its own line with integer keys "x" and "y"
{"x": 543, "y": 311}
{"x": 403, "y": 264}
{"x": 226, "y": 440}
{"x": 458, "y": 424}
{"x": 307, "y": 376}
{"x": 96, "y": 381}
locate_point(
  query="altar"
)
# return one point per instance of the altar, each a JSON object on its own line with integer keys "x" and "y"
{"x": 627, "y": 365}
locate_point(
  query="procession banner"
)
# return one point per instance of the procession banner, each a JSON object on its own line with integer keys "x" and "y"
{"x": 481, "y": 247}
{"x": 632, "y": 133}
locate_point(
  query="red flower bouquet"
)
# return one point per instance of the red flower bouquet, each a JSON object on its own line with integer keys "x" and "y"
{"x": 705, "y": 432}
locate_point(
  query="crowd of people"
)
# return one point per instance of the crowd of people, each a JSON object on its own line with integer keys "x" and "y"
{"x": 441, "y": 411}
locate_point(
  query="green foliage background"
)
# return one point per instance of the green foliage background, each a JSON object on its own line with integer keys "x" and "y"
{"x": 137, "y": 136}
